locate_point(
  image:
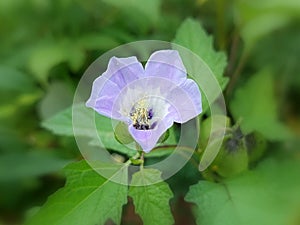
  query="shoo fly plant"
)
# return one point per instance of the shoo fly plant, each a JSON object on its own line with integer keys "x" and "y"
{"x": 173, "y": 132}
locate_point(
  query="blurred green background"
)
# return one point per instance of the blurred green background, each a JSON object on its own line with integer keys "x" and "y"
{"x": 46, "y": 45}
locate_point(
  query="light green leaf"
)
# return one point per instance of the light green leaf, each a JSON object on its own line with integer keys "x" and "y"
{"x": 50, "y": 105}
{"x": 61, "y": 124}
{"x": 256, "y": 105}
{"x": 268, "y": 195}
{"x": 151, "y": 201}
{"x": 191, "y": 35}
{"x": 44, "y": 58}
{"x": 150, "y": 9}
{"x": 95, "y": 41}
{"x": 74, "y": 56}
{"x": 201, "y": 44}
{"x": 87, "y": 198}
{"x": 49, "y": 54}
{"x": 258, "y": 18}
{"x": 16, "y": 166}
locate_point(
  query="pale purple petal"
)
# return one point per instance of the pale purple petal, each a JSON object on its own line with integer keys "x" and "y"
{"x": 147, "y": 139}
{"x": 106, "y": 88}
{"x": 186, "y": 101}
{"x": 123, "y": 71}
{"x": 104, "y": 106}
{"x": 103, "y": 102}
{"x": 166, "y": 64}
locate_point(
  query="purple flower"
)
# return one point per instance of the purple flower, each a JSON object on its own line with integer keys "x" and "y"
{"x": 148, "y": 99}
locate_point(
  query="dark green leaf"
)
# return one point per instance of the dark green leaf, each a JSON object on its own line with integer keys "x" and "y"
{"x": 14, "y": 80}
{"x": 16, "y": 166}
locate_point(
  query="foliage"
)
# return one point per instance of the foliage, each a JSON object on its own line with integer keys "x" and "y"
{"x": 85, "y": 193}
{"x": 151, "y": 199}
{"x": 251, "y": 49}
{"x": 254, "y": 197}
{"x": 259, "y": 91}
{"x": 202, "y": 45}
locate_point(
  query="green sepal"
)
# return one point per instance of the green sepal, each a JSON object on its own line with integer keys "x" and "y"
{"x": 122, "y": 134}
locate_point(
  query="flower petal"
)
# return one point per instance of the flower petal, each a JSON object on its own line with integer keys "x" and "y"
{"x": 106, "y": 88}
{"x": 186, "y": 101}
{"x": 104, "y": 92}
{"x": 166, "y": 64}
{"x": 123, "y": 71}
{"x": 147, "y": 139}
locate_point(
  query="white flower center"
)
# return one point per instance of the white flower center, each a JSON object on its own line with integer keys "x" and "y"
{"x": 144, "y": 107}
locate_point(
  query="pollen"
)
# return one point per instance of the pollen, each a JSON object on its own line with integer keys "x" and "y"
{"x": 141, "y": 116}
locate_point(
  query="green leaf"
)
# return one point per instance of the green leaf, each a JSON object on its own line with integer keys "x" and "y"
{"x": 87, "y": 198}
{"x": 256, "y": 105}
{"x": 257, "y": 18}
{"x": 50, "y": 54}
{"x": 10, "y": 140}
{"x": 44, "y": 58}
{"x": 16, "y": 166}
{"x": 151, "y": 201}
{"x": 14, "y": 80}
{"x": 264, "y": 54}
{"x": 97, "y": 41}
{"x": 150, "y": 9}
{"x": 268, "y": 195}
{"x": 167, "y": 147}
{"x": 191, "y": 35}
{"x": 61, "y": 124}
{"x": 50, "y": 105}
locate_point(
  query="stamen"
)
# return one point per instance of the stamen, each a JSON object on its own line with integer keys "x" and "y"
{"x": 150, "y": 114}
{"x": 141, "y": 117}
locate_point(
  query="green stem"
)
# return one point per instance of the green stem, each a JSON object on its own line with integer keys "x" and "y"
{"x": 221, "y": 28}
{"x": 236, "y": 73}
{"x": 138, "y": 158}
{"x": 135, "y": 159}
{"x": 142, "y": 161}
